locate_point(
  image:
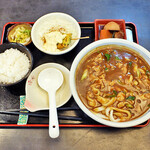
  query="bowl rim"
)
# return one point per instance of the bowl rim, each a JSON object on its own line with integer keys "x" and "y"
{"x": 53, "y": 14}
{"x": 75, "y": 63}
{"x": 31, "y": 63}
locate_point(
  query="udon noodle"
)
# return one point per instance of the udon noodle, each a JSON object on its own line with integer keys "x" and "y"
{"x": 114, "y": 83}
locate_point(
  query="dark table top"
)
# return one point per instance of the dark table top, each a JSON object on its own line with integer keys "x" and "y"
{"x": 136, "y": 11}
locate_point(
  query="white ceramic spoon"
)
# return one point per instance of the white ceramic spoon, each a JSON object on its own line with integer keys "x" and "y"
{"x": 50, "y": 80}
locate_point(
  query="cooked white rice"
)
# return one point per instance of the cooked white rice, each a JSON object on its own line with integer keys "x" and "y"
{"x": 13, "y": 66}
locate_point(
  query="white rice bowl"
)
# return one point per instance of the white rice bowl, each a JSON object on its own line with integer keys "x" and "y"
{"x": 14, "y": 66}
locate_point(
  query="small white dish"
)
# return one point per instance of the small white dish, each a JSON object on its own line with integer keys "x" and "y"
{"x": 52, "y": 20}
{"x": 37, "y": 98}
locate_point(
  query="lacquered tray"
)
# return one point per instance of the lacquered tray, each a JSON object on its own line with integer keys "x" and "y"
{"x": 9, "y": 96}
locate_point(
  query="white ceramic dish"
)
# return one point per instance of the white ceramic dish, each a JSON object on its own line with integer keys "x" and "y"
{"x": 44, "y": 23}
{"x": 142, "y": 51}
{"x": 37, "y": 98}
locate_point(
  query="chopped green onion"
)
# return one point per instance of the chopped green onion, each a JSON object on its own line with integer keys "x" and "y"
{"x": 129, "y": 106}
{"x": 84, "y": 75}
{"x": 148, "y": 105}
{"x": 117, "y": 58}
{"x": 108, "y": 56}
{"x": 115, "y": 92}
{"x": 114, "y": 95}
{"x": 106, "y": 69}
{"x": 98, "y": 51}
{"x": 130, "y": 98}
{"x": 130, "y": 63}
{"x": 147, "y": 72}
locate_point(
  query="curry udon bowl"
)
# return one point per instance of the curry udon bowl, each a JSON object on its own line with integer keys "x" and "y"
{"x": 114, "y": 107}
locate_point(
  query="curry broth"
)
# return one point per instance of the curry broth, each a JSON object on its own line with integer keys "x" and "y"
{"x": 114, "y": 80}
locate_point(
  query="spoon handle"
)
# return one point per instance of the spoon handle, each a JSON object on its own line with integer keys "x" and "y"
{"x": 53, "y": 117}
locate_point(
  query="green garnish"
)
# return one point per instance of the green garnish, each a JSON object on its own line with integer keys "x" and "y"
{"x": 115, "y": 92}
{"x": 147, "y": 72}
{"x": 129, "y": 106}
{"x": 114, "y": 95}
{"x": 84, "y": 75}
{"x": 108, "y": 56}
{"x": 98, "y": 52}
{"x": 106, "y": 69}
{"x": 130, "y": 98}
{"x": 117, "y": 58}
{"x": 148, "y": 105}
{"x": 130, "y": 63}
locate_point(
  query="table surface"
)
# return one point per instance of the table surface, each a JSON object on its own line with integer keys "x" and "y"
{"x": 136, "y": 11}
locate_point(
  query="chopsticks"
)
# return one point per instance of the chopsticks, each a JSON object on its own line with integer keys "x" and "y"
{"x": 41, "y": 115}
{"x": 35, "y": 114}
{"x": 59, "y": 109}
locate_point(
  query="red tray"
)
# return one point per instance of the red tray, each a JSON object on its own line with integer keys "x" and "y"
{"x": 10, "y": 95}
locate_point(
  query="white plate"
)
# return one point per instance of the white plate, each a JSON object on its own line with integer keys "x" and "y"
{"x": 37, "y": 98}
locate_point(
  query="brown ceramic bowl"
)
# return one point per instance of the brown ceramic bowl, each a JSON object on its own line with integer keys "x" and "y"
{"x": 12, "y": 31}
